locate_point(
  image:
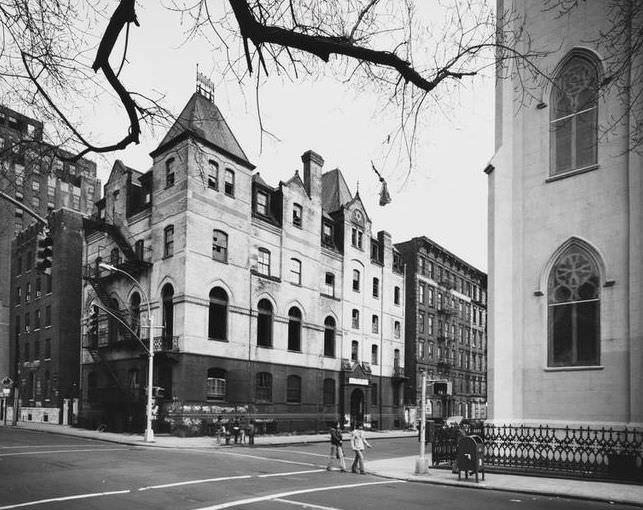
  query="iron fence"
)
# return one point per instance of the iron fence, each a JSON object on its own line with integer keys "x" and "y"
{"x": 582, "y": 452}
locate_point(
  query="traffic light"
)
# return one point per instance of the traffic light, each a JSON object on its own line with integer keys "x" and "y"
{"x": 44, "y": 252}
{"x": 92, "y": 325}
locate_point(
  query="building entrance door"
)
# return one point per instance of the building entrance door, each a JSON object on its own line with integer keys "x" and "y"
{"x": 357, "y": 407}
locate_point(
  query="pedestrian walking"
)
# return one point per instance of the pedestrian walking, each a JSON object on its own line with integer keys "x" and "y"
{"x": 359, "y": 444}
{"x": 219, "y": 430}
{"x": 336, "y": 448}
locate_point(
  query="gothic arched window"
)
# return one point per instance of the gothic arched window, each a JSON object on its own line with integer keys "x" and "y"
{"x": 574, "y": 310}
{"x": 574, "y": 115}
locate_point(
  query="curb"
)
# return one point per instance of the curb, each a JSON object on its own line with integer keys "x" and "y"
{"x": 515, "y": 490}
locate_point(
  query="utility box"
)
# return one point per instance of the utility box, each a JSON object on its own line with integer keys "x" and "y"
{"x": 470, "y": 456}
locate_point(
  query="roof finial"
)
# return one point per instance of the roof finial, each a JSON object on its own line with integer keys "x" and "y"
{"x": 204, "y": 85}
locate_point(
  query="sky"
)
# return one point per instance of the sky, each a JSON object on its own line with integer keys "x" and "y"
{"x": 444, "y": 197}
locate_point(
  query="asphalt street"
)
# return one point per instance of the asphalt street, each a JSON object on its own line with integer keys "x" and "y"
{"x": 40, "y": 470}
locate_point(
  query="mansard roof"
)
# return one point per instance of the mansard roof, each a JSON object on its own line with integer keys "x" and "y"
{"x": 202, "y": 120}
{"x": 335, "y": 192}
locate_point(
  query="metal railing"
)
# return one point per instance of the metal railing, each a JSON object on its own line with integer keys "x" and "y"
{"x": 166, "y": 343}
{"x": 581, "y": 452}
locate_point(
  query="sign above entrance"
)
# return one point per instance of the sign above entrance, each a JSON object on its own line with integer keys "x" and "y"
{"x": 359, "y": 382}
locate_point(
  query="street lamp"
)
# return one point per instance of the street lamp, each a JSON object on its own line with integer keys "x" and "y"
{"x": 149, "y": 433}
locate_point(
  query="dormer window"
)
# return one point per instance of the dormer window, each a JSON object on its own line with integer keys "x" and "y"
{"x": 297, "y": 213}
{"x": 261, "y": 203}
{"x": 327, "y": 234}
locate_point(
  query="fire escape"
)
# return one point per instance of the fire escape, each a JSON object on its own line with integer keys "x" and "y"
{"x": 108, "y": 334}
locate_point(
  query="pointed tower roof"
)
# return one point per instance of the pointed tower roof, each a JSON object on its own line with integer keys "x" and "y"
{"x": 335, "y": 192}
{"x": 202, "y": 120}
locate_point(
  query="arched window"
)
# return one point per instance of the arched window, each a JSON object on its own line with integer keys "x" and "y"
{"x": 218, "y": 314}
{"x": 263, "y": 387}
{"x": 295, "y": 271}
{"x": 329, "y": 337}
{"x": 574, "y": 114}
{"x": 294, "y": 329}
{"x": 167, "y": 295}
{"x": 264, "y": 323}
{"x": 216, "y": 384}
{"x": 220, "y": 246}
{"x": 169, "y": 172}
{"x": 574, "y": 309}
{"x": 135, "y": 311}
{"x": 329, "y": 392}
{"x": 293, "y": 389}
{"x": 356, "y": 280}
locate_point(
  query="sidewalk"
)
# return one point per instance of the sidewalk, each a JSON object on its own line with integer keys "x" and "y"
{"x": 401, "y": 468}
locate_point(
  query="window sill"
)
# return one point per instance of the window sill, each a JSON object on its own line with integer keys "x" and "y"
{"x": 167, "y": 257}
{"x": 571, "y": 173}
{"x": 168, "y": 186}
{"x": 266, "y": 276}
{"x": 264, "y": 346}
{"x": 573, "y": 368}
{"x": 330, "y": 356}
{"x": 329, "y": 296}
{"x": 225, "y": 340}
{"x": 297, "y": 351}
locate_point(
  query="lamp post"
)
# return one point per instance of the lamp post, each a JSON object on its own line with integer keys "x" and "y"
{"x": 420, "y": 463}
{"x": 149, "y": 433}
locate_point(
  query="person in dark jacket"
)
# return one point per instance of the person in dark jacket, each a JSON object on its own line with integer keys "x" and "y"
{"x": 336, "y": 448}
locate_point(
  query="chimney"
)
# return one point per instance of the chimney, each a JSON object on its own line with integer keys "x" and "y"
{"x": 313, "y": 164}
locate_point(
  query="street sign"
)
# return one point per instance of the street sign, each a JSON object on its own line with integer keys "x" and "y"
{"x": 7, "y": 382}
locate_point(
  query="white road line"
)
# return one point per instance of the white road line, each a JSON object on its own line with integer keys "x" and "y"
{"x": 291, "y": 473}
{"x": 65, "y": 498}
{"x": 291, "y": 451}
{"x": 249, "y": 501}
{"x": 192, "y": 482}
{"x": 306, "y": 505}
{"x": 283, "y": 461}
{"x": 62, "y": 451}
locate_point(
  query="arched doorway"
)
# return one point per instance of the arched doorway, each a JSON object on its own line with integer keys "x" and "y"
{"x": 357, "y": 407}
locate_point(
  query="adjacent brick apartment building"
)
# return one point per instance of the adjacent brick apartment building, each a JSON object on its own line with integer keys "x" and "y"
{"x": 281, "y": 303}
{"x": 446, "y": 334}
{"x": 30, "y": 172}
{"x": 45, "y": 318}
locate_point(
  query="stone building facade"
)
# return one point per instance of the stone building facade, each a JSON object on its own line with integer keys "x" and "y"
{"x": 566, "y": 229}
{"x": 278, "y": 303}
{"x": 446, "y": 333}
{"x": 31, "y": 173}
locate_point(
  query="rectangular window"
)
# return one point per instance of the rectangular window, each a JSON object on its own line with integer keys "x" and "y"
{"x": 18, "y": 295}
{"x": 355, "y": 318}
{"x": 327, "y": 234}
{"x": 169, "y": 173}
{"x": 28, "y": 293}
{"x": 354, "y": 350}
{"x": 421, "y": 350}
{"x": 421, "y": 293}
{"x": 297, "y": 215}
{"x": 261, "y": 205}
{"x": 376, "y": 288}
{"x": 375, "y": 324}
{"x": 374, "y": 355}
{"x": 263, "y": 261}
{"x": 213, "y": 175}
{"x": 168, "y": 242}
{"x": 357, "y": 237}
{"x": 27, "y": 323}
{"x": 396, "y": 295}
{"x": 356, "y": 277}
{"x": 49, "y": 284}
{"x": 397, "y": 329}
{"x": 35, "y": 202}
{"x": 295, "y": 271}
{"x": 420, "y": 322}
{"x": 229, "y": 182}
{"x": 329, "y": 284}
{"x": 36, "y": 350}
{"x": 293, "y": 389}
{"x": 220, "y": 246}
{"x": 139, "y": 249}
{"x": 48, "y": 315}
{"x": 48, "y": 348}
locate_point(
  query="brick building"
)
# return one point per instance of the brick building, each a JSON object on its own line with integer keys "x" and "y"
{"x": 45, "y": 318}
{"x": 30, "y": 172}
{"x": 277, "y": 302}
{"x": 446, "y": 334}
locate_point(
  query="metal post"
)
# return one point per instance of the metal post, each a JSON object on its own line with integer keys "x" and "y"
{"x": 149, "y": 433}
{"x": 420, "y": 464}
